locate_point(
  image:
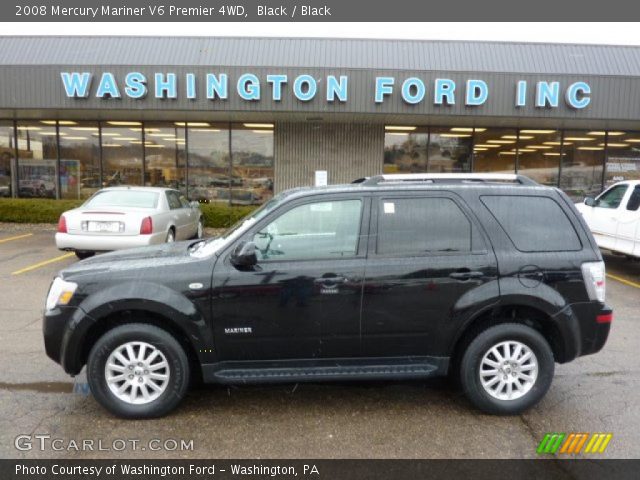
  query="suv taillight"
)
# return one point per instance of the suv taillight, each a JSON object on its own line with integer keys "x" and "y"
{"x": 62, "y": 224}
{"x": 594, "y": 277}
{"x": 146, "y": 227}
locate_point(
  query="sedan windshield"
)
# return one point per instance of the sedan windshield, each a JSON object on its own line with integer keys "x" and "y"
{"x": 123, "y": 198}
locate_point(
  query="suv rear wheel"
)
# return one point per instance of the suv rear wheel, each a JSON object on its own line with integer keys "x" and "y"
{"x": 507, "y": 369}
{"x": 138, "y": 371}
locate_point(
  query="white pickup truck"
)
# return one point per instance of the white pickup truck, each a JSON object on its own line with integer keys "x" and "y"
{"x": 614, "y": 217}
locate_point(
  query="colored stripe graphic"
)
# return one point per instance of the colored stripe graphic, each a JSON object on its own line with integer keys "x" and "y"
{"x": 573, "y": 443}
{"x": 550, "y": 443}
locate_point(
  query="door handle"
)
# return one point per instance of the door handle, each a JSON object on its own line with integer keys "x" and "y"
{"x": 466, "y": 275}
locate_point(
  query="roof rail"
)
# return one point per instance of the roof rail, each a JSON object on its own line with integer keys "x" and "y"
{"x": 446, "y": 178}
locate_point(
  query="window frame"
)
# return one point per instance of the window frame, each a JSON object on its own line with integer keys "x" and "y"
{"x": 478, "y": 238}
{"x": 361, "y": 249}
{"x": 636, "y": 188}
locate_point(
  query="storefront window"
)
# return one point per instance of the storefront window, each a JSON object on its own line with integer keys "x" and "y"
{"x": 251, "y": 181}
{"x": 79, "y": 159}
{"x": 623, "y": 157}
{"x": 37, "y": 158}
{"x": 450, "y": 149}
{"x": 7, "y": 158}
{"x": 208, "y": 145}
{"x": 165, "y": 156}
{"x": 494, "y": 150}
{"x": 539, "y": 153}
{"x": 121, "y": 153}
{"x": 582, "y": 162}
{"x": 405, "y": 149}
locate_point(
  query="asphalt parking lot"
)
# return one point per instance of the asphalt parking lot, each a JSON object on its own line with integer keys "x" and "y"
{"x": 427, "y": 419}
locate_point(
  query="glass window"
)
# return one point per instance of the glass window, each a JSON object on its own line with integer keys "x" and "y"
{"x": 7, "y": 158}
{"x": 37, "y": 158}
{"x": 450, "y": 150}
{"x": 519, "y": 216}
{"x": 539, "y": 155}
{"x": 494, "y": 150}
{"x": 312, "y": 231}
{"x": 121, "y": 153}
{"x": 582, "y": 162}
{"x": 623, "y": 157}
{"x": 612, "y": 197}
{"x": 634, "y": 199}
{"x": 251, "y": 179}
{"x": 422, "y": 225}
{"x": 209, "y": 159}
{"x": 405, "y": 151}
{"x": 165, "y": 156}
{"x": 174, "y": 200}
{"x": 123, "y": 198}
{"x": 79, "y": 159}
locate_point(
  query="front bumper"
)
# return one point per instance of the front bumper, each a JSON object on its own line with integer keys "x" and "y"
{"x": 103, "y": 243}
{"x": 59, "y": 327}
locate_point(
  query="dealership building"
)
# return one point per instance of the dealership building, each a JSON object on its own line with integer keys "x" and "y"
{"x": 235, "y": 120}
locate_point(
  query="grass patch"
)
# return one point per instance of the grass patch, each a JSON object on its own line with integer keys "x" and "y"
{"x": 41, "y": 210}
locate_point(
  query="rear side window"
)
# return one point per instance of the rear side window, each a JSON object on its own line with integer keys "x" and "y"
{"x": 534, "y": 224}
{"x": 419, "y": 226}
{"x": 634, "y": 200}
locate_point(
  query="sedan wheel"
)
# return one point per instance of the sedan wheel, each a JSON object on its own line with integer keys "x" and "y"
{"x": 171, "y": 237}
{"x": 200, "y": 232}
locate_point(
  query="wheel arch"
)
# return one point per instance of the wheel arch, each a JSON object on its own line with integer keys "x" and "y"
{"x": 547, "y": 324}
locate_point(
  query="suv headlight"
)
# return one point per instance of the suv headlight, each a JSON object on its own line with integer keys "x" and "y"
{"x": 60, "y": 293}
{"x": 595, "y": 280}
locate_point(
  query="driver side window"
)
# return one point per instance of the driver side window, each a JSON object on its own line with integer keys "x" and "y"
{"x": 317, "y": 230}
{"x": 612, "y": 197}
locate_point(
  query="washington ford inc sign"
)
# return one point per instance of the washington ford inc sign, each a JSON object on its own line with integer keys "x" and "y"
{"x": 252, "y": 88}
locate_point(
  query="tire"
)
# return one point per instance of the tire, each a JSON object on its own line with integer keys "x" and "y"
{"x": 161, "y": 400}
{"x": 171, "y": 236}
{"x": 507, "y": 337}
{"x": 82, "y": 254}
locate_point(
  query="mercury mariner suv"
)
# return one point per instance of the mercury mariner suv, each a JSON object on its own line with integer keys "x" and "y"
{"x": 490, "y": 278}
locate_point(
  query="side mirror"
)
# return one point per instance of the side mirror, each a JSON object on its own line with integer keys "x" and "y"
{"x": 194, "y": 204}
{"x": 590, "y": 201}
{"x": 244, "y": 255}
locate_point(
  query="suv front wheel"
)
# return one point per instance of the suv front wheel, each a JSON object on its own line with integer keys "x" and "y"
{"x": 507, "y": 369}
{"x": 138, "y": 371}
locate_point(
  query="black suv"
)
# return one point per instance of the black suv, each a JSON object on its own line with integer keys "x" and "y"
{"x": 492, "y": 278}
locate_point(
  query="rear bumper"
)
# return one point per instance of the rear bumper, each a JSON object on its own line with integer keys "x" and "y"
{"x": 101, "y": 243}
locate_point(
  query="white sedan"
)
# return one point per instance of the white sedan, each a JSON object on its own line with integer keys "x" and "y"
{"x": 614, "y": 217}
{"x": 116, "y": 218}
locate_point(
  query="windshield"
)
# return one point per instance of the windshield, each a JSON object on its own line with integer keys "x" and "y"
{"x": 212, "y": 245}
{"x": 123, "y": 198}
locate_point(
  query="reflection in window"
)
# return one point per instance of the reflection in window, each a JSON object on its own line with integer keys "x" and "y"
{"x": 405, "y": 149}
{"x": 582, "y": 161}
{"x": 494, "y": 150}
{"x": 623, "y": 157}
{"x": 539, "y": 155}
{"x": 37, "y": 157}
{"x": 7, "y": 158}
{"x": 450, "y": 150}
{"x": 165, "y": 156}
{"x": 208, "y": 146}
{"x": 251, "y": 181}
{"x": 79, "y": 159}
{"x": 121, "y": 153}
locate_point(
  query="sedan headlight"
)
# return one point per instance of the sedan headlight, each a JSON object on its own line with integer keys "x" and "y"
{"x": 60, "y": 293}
